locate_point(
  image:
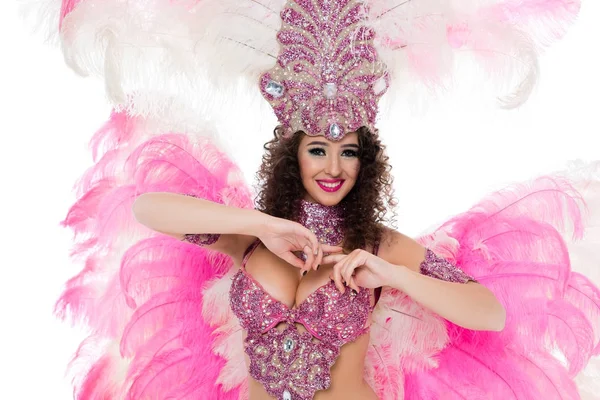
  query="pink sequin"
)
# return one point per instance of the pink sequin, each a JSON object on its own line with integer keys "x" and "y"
{"x": 440, "y": 268}
{"x": 201, "y": 239}
{"x": 324, "y": 222}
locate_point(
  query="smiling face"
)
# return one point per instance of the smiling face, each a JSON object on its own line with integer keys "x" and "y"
{"x": 328, "y": 169}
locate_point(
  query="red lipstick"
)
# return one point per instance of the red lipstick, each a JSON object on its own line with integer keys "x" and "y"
{"x": 330, "y": 185}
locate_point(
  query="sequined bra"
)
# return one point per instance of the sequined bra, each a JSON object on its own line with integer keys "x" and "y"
{"x": 290, "y": 364}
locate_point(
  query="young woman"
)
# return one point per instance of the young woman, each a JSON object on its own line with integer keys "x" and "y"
{"x": 307, "y": 293}
{"x": 338, "y": 193}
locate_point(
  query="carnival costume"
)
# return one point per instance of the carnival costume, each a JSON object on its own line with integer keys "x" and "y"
{"x": 167, "y": 316}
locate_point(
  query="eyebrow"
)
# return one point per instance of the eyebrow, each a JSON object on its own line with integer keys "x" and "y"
{"x": 325, "y": 144}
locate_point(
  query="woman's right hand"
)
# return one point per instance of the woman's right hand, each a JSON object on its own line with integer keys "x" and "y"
{"x": 283, "y": 237}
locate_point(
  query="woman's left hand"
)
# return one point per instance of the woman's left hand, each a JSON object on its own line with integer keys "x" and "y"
{"x": 359, "y": 268}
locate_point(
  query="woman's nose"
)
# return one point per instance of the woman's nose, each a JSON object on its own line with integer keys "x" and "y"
{"x": 333, "y": 166}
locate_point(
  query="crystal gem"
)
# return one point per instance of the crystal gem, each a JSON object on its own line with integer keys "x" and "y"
{"x": 335, "y": 131}
{"x": 287, "y": 395}
{"x": 288, "y": 344}
{"x": 275, "y": 89}
{"x": 330, "y": 90}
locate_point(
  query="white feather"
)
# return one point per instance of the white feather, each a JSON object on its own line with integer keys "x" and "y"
{"x": 229, "y": 334}
{"x": 166, "y": 60}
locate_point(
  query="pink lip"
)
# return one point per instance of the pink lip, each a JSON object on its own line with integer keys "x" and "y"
{"x": 330, "y": 189}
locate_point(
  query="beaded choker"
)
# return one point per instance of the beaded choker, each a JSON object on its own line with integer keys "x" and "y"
{"x": 326, "y": 222}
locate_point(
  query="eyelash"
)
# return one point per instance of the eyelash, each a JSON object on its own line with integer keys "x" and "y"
{"x": 317, "y": 151}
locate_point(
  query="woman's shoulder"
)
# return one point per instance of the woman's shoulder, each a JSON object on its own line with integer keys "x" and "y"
{"x": 400, "y": 249}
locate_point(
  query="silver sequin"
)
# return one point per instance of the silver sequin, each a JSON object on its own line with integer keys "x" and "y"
{"x": 288, "y": 345}
{"x": 330, "y": 90}
{"x": 335, "y": 131}
{"x": 275, "y": 89}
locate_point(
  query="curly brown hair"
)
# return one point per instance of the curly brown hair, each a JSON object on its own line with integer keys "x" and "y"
{"x": 365, "y": 207}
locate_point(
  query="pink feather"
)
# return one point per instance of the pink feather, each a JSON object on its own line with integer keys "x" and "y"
{"x": 514, "y": 242}
{"x": 141, "y": 291}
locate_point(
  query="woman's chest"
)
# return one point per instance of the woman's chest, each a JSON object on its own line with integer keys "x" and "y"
{"x": 284, "y": 282}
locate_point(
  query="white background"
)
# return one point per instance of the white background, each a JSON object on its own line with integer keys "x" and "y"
{"x": 444, "y": 160}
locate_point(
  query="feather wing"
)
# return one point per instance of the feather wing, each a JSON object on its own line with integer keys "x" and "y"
{"x": 519, "y": 243}
{"x": 140, "y": 293}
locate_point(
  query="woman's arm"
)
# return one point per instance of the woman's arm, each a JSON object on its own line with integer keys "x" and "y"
{"x": 469, "y": 304}
{"x": 179, "y": 215}
{"x": 229, "y": 230}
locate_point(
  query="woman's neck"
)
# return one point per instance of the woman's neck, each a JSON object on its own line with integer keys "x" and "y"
{"x": 326, "y": 222}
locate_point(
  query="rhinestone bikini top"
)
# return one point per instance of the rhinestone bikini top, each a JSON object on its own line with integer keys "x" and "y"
{"x": 289, "y": 364}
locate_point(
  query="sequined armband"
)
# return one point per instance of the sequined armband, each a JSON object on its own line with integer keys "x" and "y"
{"x": 201, "y": 239}
{"x": 440, "y": 268}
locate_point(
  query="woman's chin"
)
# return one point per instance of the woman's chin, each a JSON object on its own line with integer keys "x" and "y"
{"x": 328, "y": 199}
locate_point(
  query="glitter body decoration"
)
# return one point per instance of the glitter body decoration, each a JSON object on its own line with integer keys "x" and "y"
{"x": 440, "y": 268}
{"x": 327, "y": 79}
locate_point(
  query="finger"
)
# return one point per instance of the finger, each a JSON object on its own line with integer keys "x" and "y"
{"x": 332, "y": 249}
{"x": 314, "y": 243}
{"x": 351, "y": 282}
{"x": 354, "y": 261}
{"x": 292, "y": 259}
{"x": 354, "y": 285}
{"x": 347, "y": 271}
{"x": 337, "y": 275}
{"x": 310, "y": 258}
{"x": 350, "y": 266}
{"x": 318, "y": 258}
{"x": 333, "y": 258}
